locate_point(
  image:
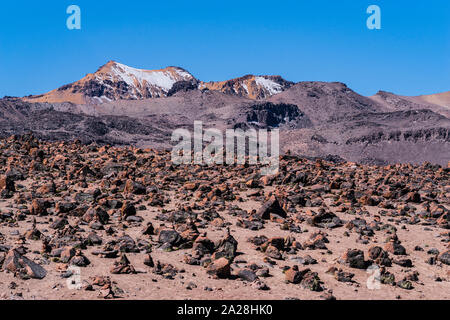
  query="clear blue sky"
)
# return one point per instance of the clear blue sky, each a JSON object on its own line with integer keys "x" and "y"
{"x": 217, "y": 40}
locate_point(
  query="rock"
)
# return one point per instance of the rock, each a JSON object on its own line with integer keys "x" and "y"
{"x": 406, "y": 263}
{"x": 126, "y": 244}
{"x": 96, "y": 214}
{"x": 203, "y": 246}
{"x": 94, "y": 239}
{"x": 46, "y": 189}
{"x": 226, "y": 248}
{"x": 67, "y": 254}
{"x": 355, "y": 259}
{"x": 387, "y": 278}
{"x": 395, "y": 248}
{"x": 328, "y": 296}
{"x": 7, "y": 183}
{"x": 166, "y": 270}
{"x": 324, "y": 219}
{"x": 343, "y": 276}
{"x": 39, "y": 207}
{"x": 134, "y": 187}
{"x": 2, "y": 258}
{"x": 149, "y": 229}
{"x": 191, "y": 186}
{"x": 317, "y": 241}
{"x": 219, "y": 268}
{"x": 405, "y": 284}
{"x": 79, "y": 260}
{"x": 263, "y": 273}
{"x": 307, "y": 260}
{"x": 122, "y": 266}
{"x": 65, "y": 207}
{"x": 413, "y": 276}
{"x": 23, "y": 267}
{"x": 433, "y": 251}
{"x": 258, "y": 240}
{"x": 260, "y": 285}
{"x": 59, "y": 223}
{"x": 106, "y": 291}
{"x": 311, "y": 280}
{"x": 14, "y": 174}
{"x": 270, "y": 206}
{"x": 96, "y": 225}
{"x": 293, "y": 275}
{"x": 413, "y": 197}
{"x": 170, "y": 237}
{"x": 250, "y": 224}
{"x": 444, "y": 257}
{"x": 273, "y": 252}
{"x": 247, "y": 275}
{"x": 149, "y": 261}
{"x": 134, "y": 219}
{"x": 127, "y": 210}
{"x": 444, "y": 220}
{"x": 379, "y": 256}
{"x": 33, "y": 234}
{"x": 306, "y": 278}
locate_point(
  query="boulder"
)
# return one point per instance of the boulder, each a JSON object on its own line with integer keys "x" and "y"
{"x": 7, "y": 183}
{"x": 444, "y": 257}
{"x": 23, "y": 267}
{"x": 354, "y": 259}
{"x": 219, "y": 268}
{"x": 270, "y": 206}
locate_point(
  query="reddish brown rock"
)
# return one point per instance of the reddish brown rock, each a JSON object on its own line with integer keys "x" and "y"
{"x": 7, "y": 183}
{"x": 22, "y": 267}
{"x": 219, "y": 268}
{"x": 270, "y": 206}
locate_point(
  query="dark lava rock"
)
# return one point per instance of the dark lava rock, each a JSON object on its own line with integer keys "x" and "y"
{"x": 23, "y": 267}
{"x": 445, "y": 258}
{"x": 270, "y": 206}
{"x": 247, "y": 275}
{"x": 355, "y": 259}
{"x": 169, "y": 236}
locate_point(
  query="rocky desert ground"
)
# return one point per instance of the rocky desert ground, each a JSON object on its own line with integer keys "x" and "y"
{"x": 88, "y": 221}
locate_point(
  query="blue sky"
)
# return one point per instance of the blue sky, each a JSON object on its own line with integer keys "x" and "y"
{"x": 217, "y": 40}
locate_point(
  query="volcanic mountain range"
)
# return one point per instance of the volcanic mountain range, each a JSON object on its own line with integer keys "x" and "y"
{"x": 122, "y": 105}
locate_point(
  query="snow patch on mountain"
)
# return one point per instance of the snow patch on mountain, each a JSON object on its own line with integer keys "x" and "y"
{"x": 269, "y": 85}
{"x": 164, "y": 79}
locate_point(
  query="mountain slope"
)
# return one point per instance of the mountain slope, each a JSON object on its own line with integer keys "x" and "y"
{"x": 440, "y": 99}
{"x": 322, "y": 101}
{"x": 439, "y": 103}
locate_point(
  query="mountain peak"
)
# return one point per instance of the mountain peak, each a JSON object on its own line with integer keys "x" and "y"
{"x": 116, "y": 81}
{"x": 251, "y": 86}
{"x": 140, "y": 79}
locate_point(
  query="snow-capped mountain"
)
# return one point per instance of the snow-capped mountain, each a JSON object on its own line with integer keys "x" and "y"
{"x": 253, "y": 87}
{"x": 116, "y": 81}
